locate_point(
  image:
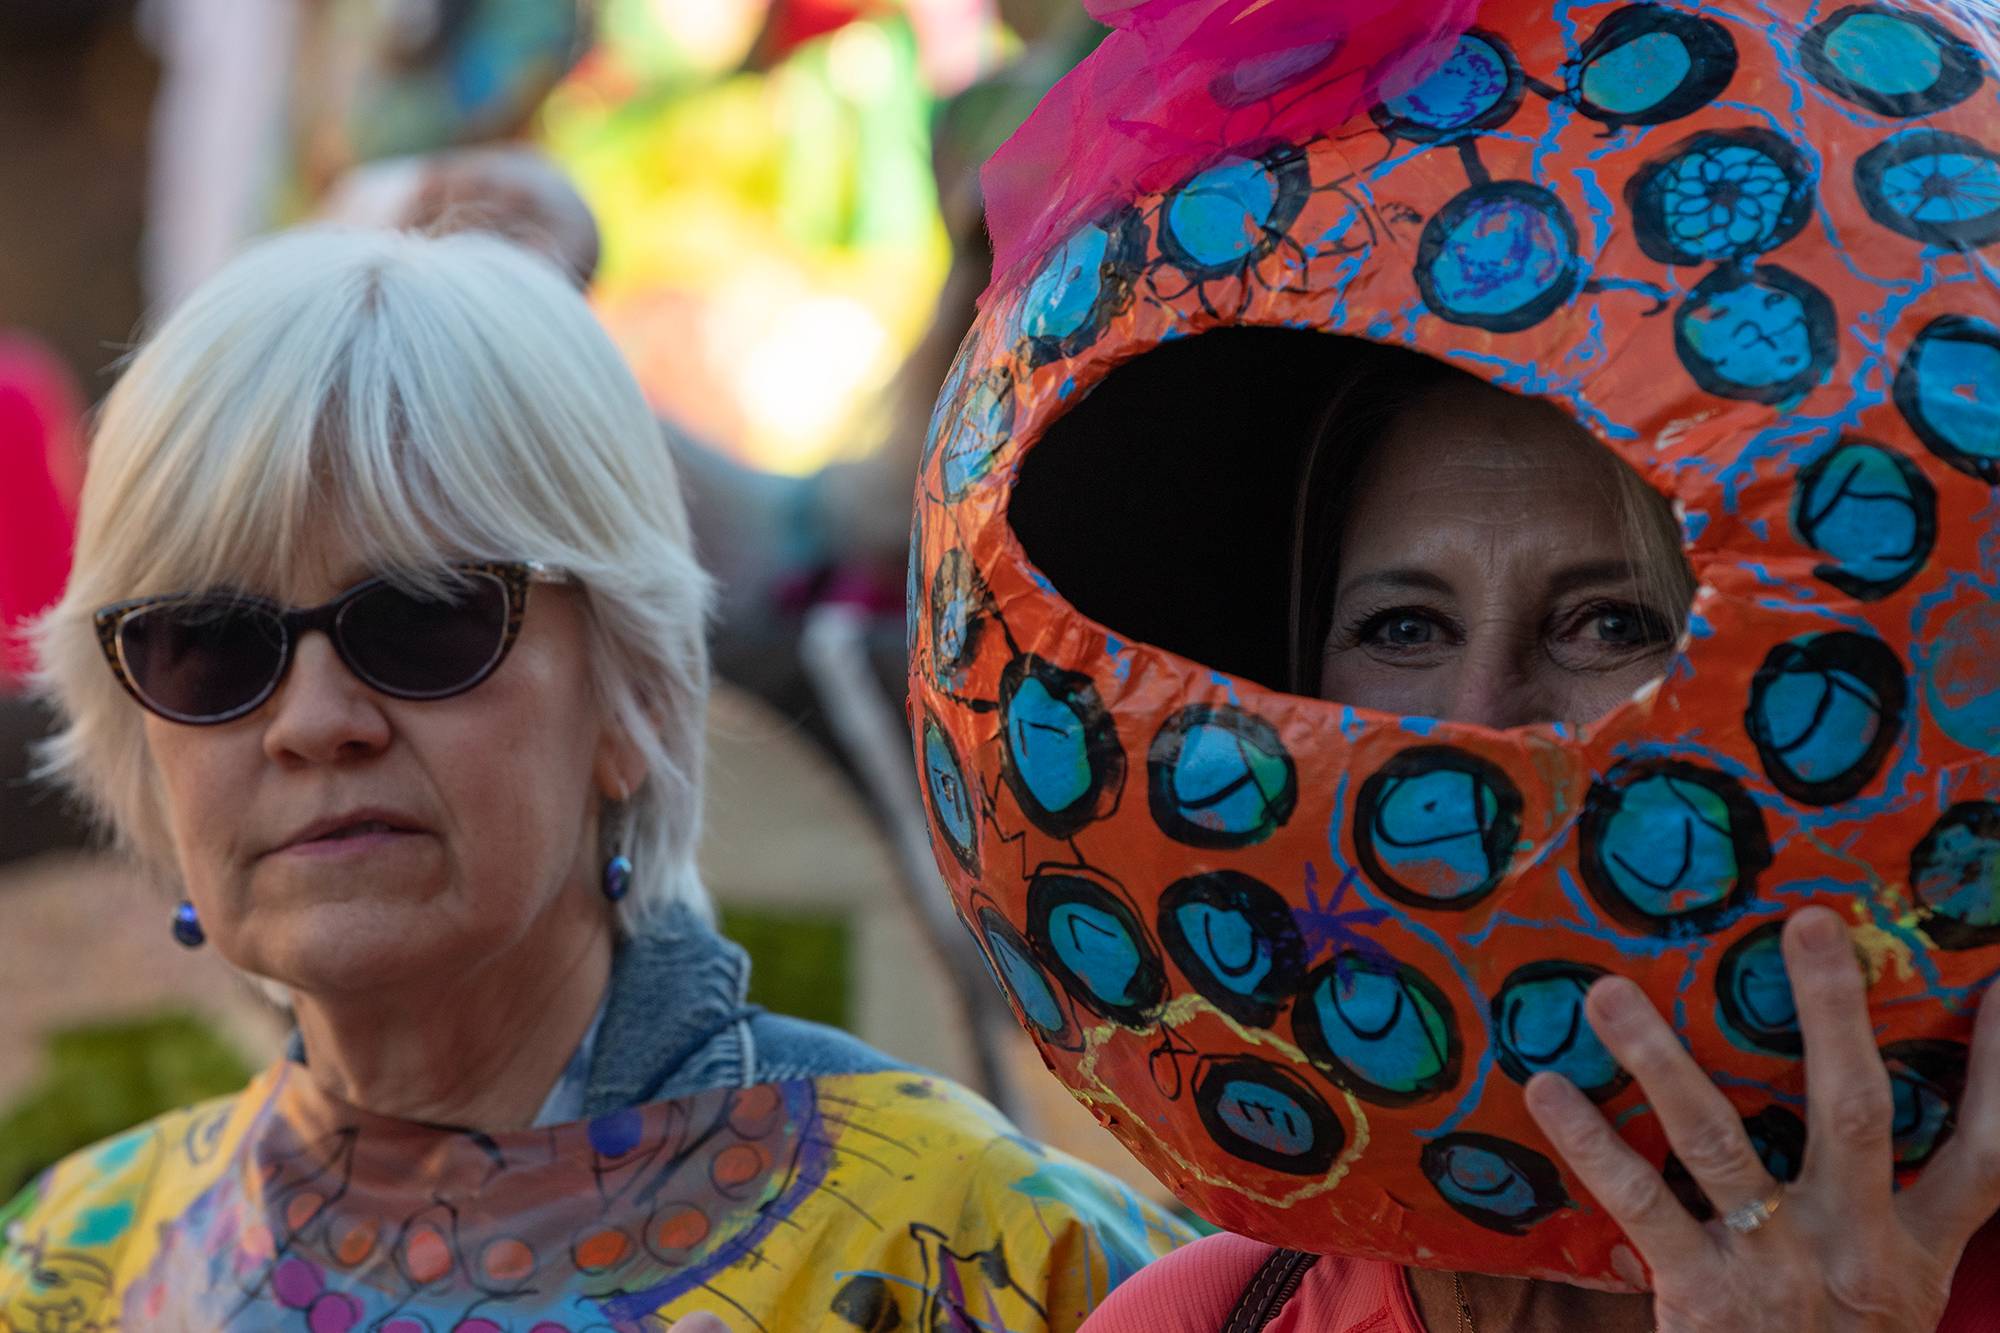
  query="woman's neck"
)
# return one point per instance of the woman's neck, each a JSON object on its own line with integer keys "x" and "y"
{"x": 1518, "y": 1305}
{"x": 478, "y": 1050}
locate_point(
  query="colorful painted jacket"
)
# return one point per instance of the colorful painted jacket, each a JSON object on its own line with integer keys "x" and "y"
{"x": 872, "y": 1200}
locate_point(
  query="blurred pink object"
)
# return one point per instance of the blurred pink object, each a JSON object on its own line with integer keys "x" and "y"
{"x": 1191, "y": 78}
{"x": 41, "y": 470}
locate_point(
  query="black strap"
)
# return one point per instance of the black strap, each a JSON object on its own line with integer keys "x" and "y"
{"x": 1270, "y": 1288}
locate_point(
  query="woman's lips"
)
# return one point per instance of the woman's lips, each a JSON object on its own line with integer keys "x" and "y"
{"x": 354, "y": 842}
{"x": 354, "y": 833}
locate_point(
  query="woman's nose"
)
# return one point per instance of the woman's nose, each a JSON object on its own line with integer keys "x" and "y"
{"x": 322, "y": 712}
{"x": 1494, "y": 687}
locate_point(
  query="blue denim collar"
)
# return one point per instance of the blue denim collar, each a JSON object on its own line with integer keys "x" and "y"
{"x": 674, "y": 1023}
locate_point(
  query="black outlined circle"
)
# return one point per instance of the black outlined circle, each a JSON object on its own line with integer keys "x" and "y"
{"x": 1256, "y": 1111}
{"x": 1500, "y": 256}
{"x": 1081, "y": 286}
{"x": 1955, "y": 876}
{"x": 1436, "y": 827}
{"x": 1873, "y": 511}
{"x": 979, "y": 423}
{"x": 1753, "y": 994}
{"x": 1647, "y": 64}
{"x": 953, "y": 802}
{"x": 1233, "y": 937}
{"x": 1539, "y": 1024}
{"x": 1825, "y": 710}
{"x": 1091, "y": 938}
{"x": 1719, "y": 196}
{"x": 1501, "y": 1185}
{"x": 1933, "y": 186}
{"x": 1670, "y": 848}
{"x": 1478, "y": 87}
{"x": 1059, "y": 750}
{"x": 1948, "y": 389}
{"x": 1219, "y": 778}
{"x": 1764, "y": 336}
{"x": 1379, "y": 1029}
{"x": 1926, "y": 1082}
{"x": 959, "y": 608}
{"x": 1227, "y": 217}
{"x": 1865, "y": 53}
{"x": 1021, "y": 976}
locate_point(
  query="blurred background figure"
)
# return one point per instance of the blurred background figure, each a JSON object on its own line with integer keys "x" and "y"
{"x": 774, "y": 207}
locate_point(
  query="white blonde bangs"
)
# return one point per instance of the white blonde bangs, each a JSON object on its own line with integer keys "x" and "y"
{"x": 423, "y": 400}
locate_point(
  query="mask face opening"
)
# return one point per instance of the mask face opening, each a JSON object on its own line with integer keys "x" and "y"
{"x": 1361, "y": 523}
{"x": 1161, "y": 504}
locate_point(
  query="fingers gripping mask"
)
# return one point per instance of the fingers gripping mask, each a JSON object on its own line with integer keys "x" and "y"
{"x": 1301, "y": 956}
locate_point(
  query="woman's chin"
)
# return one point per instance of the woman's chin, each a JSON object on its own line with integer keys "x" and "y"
{"x": 355, "y": 944}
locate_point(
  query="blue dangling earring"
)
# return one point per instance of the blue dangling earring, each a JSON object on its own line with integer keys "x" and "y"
{"x": 617, "y": 881}
{"x": 617, "y": 876}
{"x": 187, "y": 927}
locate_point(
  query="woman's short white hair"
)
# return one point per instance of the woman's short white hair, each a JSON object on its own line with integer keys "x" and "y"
{"x": 436, "y": 399}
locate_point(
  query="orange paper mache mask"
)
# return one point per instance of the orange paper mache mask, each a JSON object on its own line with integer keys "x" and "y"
{"x": 1302, "y": 957}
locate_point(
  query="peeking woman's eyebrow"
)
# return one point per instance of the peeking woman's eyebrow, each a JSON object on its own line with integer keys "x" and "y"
{"x": 1593, "y": 574}
{"x": 1399, "y": 579}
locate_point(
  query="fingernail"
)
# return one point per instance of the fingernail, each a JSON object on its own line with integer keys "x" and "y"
{"x": 1821, "y": 932}
{"x": 1551, "y": 1095}
{"x": 1618, "y": 1000}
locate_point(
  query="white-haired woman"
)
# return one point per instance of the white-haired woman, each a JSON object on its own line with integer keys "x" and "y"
{"x": 384, "y": 643}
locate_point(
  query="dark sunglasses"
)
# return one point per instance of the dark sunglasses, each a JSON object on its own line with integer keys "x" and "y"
{"x": 204, "y": 658}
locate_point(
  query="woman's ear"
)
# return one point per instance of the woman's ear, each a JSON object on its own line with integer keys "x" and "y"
{"x": 620, "y": 767}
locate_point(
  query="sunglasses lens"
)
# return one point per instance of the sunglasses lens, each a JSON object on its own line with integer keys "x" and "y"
{"x": 426, "y": 647}
{"x": 200, "y": 660}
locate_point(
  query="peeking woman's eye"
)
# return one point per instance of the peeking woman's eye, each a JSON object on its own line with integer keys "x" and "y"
{"x": 1400, "y": 631}
{"x": 1608, "y": 635}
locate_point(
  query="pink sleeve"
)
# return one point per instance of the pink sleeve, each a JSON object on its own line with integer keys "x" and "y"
{"x": 1191, "y": 1290}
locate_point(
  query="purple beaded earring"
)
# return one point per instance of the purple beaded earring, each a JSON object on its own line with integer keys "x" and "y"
{"x": 187, "y": 927}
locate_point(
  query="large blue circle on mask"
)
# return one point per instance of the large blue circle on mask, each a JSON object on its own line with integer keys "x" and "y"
{"x": 1539, "y": 1024}
{"x": 954, "y": 813}
{"x": 1226, "y": 217}
{"x": 1933, "y": 186}
{"x": 1233, "y": 937}
{"x": 1501, "y": 1185}
{"x": 1378, "y": 1028}
{"x": 1825, "y": 711}
{"x": 1722, "y": 195}
{"x": 1081, "y": 285}
{"x": 1501, "y": 256}
{"x": 1478, "y": 87}
{"x": 1955, "y": 877}
{"x": 1948, "y": 389}
{"x": 1753, "y": 994}
{"x": 1436, "y": 827}
{"x": 1014, "y": 966}
{"x": 982, "y": 422}
{"x": 1647, "y": 64}
{"x": 1218, "y": 777}
{"x": 1256, "y": 1111}
{"x": 1890, "y": 61}
{"x": 1763, "y": 335}
{"x": 1671, "y": 848}
{"x": 1926, "y": 1081}
{"x": 1094, "y": 942}
{"x": 1872, "y": 511}
{"x": 1062, "y": 759}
